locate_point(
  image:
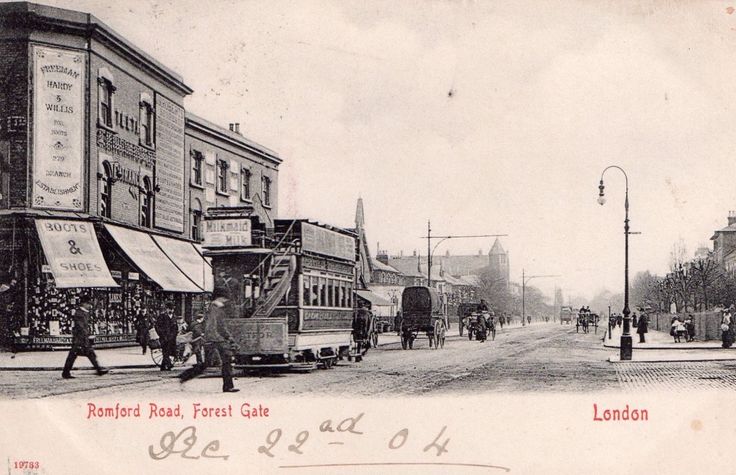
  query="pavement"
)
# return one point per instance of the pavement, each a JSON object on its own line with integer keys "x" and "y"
{"x": 660, "y": 347}
{"x": 116, "y": 358}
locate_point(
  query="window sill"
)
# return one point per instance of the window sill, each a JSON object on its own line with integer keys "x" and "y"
{"x": 104, "y": 126}
{"x": 151, "y": 147}
{"x": 194, "y": 185}
{"x": 267, "y": 206}
{"x": 246, "y": 200}
{"x": 221, "y": 193}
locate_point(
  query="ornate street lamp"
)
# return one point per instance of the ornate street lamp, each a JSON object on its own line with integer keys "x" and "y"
{"x": 626, "y": 342}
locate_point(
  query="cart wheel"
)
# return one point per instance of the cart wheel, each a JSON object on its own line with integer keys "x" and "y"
{"x": 374, "y": 340}
{"x": 441, "y": 337}
{"x": 157, "y": 356}
{"x": 404, "y": 342}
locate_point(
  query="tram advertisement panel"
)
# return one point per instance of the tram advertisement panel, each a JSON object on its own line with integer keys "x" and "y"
{"x": 325, "y": 241}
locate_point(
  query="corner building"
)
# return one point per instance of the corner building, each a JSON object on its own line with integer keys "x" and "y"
{"x": 97, "y": 190}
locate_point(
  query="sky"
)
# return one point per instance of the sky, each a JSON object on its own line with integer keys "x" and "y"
{"x": 484, "y": 117}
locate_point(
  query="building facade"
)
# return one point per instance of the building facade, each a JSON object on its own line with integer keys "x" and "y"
{"x": 97, "y": 191}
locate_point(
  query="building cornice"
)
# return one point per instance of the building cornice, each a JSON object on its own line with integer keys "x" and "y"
{"x": 205, "y": 127}
{"x": 45, "y": 18}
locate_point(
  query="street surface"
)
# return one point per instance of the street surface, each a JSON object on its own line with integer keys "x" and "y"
{"x": 537, "y": 358}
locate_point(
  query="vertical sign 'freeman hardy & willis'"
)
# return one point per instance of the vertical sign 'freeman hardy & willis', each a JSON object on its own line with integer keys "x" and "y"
{"x": 58, "y": 132}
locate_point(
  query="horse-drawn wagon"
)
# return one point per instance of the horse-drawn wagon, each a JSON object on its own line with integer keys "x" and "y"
{"x": 422, "y": 312}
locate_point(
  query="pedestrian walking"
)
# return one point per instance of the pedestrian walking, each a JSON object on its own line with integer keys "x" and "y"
{"x": 217, "y": 339}
{"x": 634, "y": 319}
{"x": 642, "y": 327}
{"x": 361, "y": 329}
{"x": 167, "y": 329}
{"x": 81, "y": 340}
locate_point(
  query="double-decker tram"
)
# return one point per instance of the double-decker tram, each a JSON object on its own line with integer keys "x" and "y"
{"x": 291, "y": 289}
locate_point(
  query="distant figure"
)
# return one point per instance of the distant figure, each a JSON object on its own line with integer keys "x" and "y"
{"x": 674, "y": 323}
{"x": 633, "y": 319}
{"x": 483, "y": 306}
{"x": 361, "y": 329}
{"x": 619, "y": 319}
{"x": 143, "y": 325}
{"x": 726, "y": 338}
{"x": 690, "y": 328}
{"x": 642, "y": 327}
{"x": 81, "y": 340}
{"x": 198, "y": 338}
{"x": 397, "y": 322}
{"x": 529, "y": 319}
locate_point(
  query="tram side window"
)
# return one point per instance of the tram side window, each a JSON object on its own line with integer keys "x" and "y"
{"x": 315, "y": 291}
{"x": 350, "y": 295}
{"x": 322, "y": 292}
{"x": 307, "y": 290}
{"x": 338, "y": 293}
{"x": 343, "y": 294}
{"x": 330, "y": 293}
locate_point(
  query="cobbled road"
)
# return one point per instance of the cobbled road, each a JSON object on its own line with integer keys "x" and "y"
{"x": 537, "y": 358}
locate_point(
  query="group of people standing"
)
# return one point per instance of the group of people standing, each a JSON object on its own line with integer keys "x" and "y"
{"x": 680, "y": 329}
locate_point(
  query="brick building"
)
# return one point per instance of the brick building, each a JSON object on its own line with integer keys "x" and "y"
{"x": 104, "y": 179}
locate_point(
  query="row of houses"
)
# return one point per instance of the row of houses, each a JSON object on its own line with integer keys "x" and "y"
{"x": 457, "y": 278}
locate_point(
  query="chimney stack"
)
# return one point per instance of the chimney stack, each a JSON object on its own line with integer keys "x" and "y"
{"x": 235, "y": 127}
{"x": 731, "y": 217}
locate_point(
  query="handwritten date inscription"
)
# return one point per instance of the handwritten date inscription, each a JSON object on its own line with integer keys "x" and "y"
{"x": 347, "y": 426}
{"x": 185, "y": 443}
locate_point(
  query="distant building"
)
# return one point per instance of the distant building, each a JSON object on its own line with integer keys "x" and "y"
{"x": 499, "y": 262}
{"x": 724, "y": 244}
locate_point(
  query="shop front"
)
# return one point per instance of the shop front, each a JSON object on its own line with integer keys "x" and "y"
{"x": 129, "y": 274}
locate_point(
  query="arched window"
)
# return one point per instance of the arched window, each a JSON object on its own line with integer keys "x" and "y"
{"x": 106, "y": 190}
{"x": 196, "y": 219}
{"x": 146, "y": 203}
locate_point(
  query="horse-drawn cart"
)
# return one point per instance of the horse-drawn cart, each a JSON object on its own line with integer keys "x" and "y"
{"x": 422, "y": 312}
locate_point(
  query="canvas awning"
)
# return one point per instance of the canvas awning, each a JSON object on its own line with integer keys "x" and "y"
{"x": 148, "y": 257}
{"x": 374, "y": 299}
{"x": 187, "y": 259}
{"x": 73, "y": 253}
{"x": 209, "y": 277}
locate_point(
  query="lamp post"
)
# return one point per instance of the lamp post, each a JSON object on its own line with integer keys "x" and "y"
{"x": 626, "y": 342}
{"x": 524, "y": 279}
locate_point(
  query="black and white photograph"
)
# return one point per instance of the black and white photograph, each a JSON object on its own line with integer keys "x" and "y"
{"x": 244, "y": 236}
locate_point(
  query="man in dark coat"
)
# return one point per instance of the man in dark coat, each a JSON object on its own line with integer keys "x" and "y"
{"x": 167, "y": 329}
{"x": 642, "y": 327}
{"x": 81, "y": 341}
{"x": 217, "y": 340}
{"x": 361, "y": 328}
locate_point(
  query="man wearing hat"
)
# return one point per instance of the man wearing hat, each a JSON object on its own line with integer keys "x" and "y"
{"x": 217, "y": 338}
{"x": 81, "y": 340}
{"x": 167, "y": 328}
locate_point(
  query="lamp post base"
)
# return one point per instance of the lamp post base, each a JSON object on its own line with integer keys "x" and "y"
{"x": 626, "y": 348}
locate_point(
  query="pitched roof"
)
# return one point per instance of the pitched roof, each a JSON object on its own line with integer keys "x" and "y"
{"x": 497, "y": 248}
{"x": 378, "y": 265}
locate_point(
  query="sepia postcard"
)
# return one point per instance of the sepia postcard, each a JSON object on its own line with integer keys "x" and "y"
{"x": 328, "y": 237}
